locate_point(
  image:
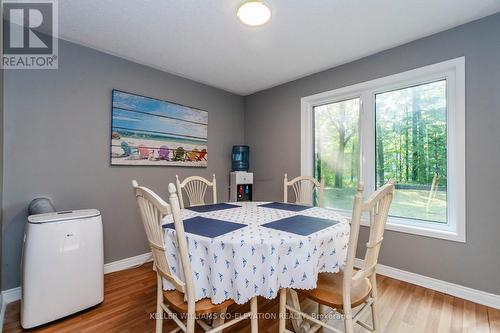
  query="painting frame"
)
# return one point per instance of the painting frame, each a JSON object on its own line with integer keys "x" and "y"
{"x": 148, "y": 131}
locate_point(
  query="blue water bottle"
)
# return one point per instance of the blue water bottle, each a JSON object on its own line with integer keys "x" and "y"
{"x": 240, "y": 158}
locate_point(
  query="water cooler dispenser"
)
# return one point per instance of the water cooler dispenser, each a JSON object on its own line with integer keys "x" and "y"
{"x": 241, "y": 186}
{"x": 241, "y": 181}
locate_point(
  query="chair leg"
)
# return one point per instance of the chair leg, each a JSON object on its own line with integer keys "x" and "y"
{"x": 322, "y": 310}
{"x": 190, "y": 323}
{"x": 348, "y": 322}
{"x": 219, "y": 320}
{"x": 254, "y": 320}
{"x": 191, "y": 315}
{"x": 374, "y": 307}
{"x": 349, "y": 327}
{"x": 159, "y": 301}
{"x": 293, "y": 301}
{"x": 282, "y": 311}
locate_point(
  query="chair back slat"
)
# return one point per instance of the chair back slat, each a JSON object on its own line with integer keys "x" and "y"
{"x": 304, "y": 188}
{"x": 153, "y": 210}
{"x": 377, "y": 208}
{"x": 195, "y": 188}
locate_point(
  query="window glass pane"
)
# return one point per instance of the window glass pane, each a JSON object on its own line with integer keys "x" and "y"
{"x": 336, "y": 151}
{"x": 410, "y": 148}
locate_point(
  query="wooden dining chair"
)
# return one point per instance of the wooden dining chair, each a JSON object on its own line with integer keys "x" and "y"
{"x": 195, "y": 188}
{"x": 181, "y": 300}
{"x": 304, "y": 188}
{"x": 351, "y": 289}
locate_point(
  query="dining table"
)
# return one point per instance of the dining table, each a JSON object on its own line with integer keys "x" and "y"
{"x": 241, "y": 250}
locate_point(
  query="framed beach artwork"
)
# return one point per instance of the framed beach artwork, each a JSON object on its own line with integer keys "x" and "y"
{"x": 149, "y": 131}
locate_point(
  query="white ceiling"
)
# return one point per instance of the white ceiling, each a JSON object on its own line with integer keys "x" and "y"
{"x": 204, "y": 41}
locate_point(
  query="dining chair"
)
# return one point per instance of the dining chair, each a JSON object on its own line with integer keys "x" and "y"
{"x": 350, "y": 289}
{"x": 153, "y": 210}
{"x": 304, "y": 188}
{"x": 195, "y": 188}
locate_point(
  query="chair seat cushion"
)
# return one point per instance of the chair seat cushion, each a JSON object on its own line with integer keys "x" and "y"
{"x": 175, "y": 299}
{"x": 329, "y": 291}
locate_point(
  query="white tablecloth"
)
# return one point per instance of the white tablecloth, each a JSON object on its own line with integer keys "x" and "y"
{"x": 256, "y": 260}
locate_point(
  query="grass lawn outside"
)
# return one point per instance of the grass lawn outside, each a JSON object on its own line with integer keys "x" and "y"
{"x": 407, "y": 203}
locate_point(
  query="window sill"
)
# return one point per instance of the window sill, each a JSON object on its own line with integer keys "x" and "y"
{"x": 408, "y": 226}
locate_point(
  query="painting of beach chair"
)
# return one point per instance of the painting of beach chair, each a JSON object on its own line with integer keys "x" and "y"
{"x": 179, "y": 154}
{"x": 192, "y": 155}
{"x": 202, "y": 155}
{"x": 144, "y": 131}
{"x": 144, "y": 152}
{"x": 127, "y": 151}
{"x": 163, "y": 153}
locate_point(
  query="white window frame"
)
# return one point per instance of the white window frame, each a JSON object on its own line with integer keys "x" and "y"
{"x": 454, "y": 73}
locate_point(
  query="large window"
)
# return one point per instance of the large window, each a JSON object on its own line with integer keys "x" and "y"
{"x": 408, "y": 128}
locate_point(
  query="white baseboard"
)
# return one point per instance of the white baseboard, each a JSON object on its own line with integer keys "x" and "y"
{"x": 473, "y": 295}
{"x": 14, "y": 294}
{"x": 11, "y": 295}
{"x": 127, "y": 263}
{"x": 8, "y": 296}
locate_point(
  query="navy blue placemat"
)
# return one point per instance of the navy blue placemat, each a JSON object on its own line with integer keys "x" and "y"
{"x": 285, "y": 206}
{"x": 207, "y": 227}
{"x": 301, "y": 224}
{"x": 212, "y": 208}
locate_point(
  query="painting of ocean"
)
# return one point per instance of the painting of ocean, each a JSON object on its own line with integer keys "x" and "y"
{"x": 148, "y": 131}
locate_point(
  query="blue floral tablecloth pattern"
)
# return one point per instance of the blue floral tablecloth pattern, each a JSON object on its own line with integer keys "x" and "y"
{"x": 256, "y": 260}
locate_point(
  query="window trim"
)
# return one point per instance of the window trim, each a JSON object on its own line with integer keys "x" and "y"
{"x": 454, "y": 72}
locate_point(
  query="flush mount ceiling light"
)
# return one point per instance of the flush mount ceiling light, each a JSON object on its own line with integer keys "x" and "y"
{"x": 254, "y": 13}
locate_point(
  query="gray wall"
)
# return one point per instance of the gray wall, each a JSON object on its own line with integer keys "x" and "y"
{"x": 57, "y": 135}
{"x": 272, "y": 129}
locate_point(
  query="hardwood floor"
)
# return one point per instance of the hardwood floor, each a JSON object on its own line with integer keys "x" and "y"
{"x": 130, "y": 299}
